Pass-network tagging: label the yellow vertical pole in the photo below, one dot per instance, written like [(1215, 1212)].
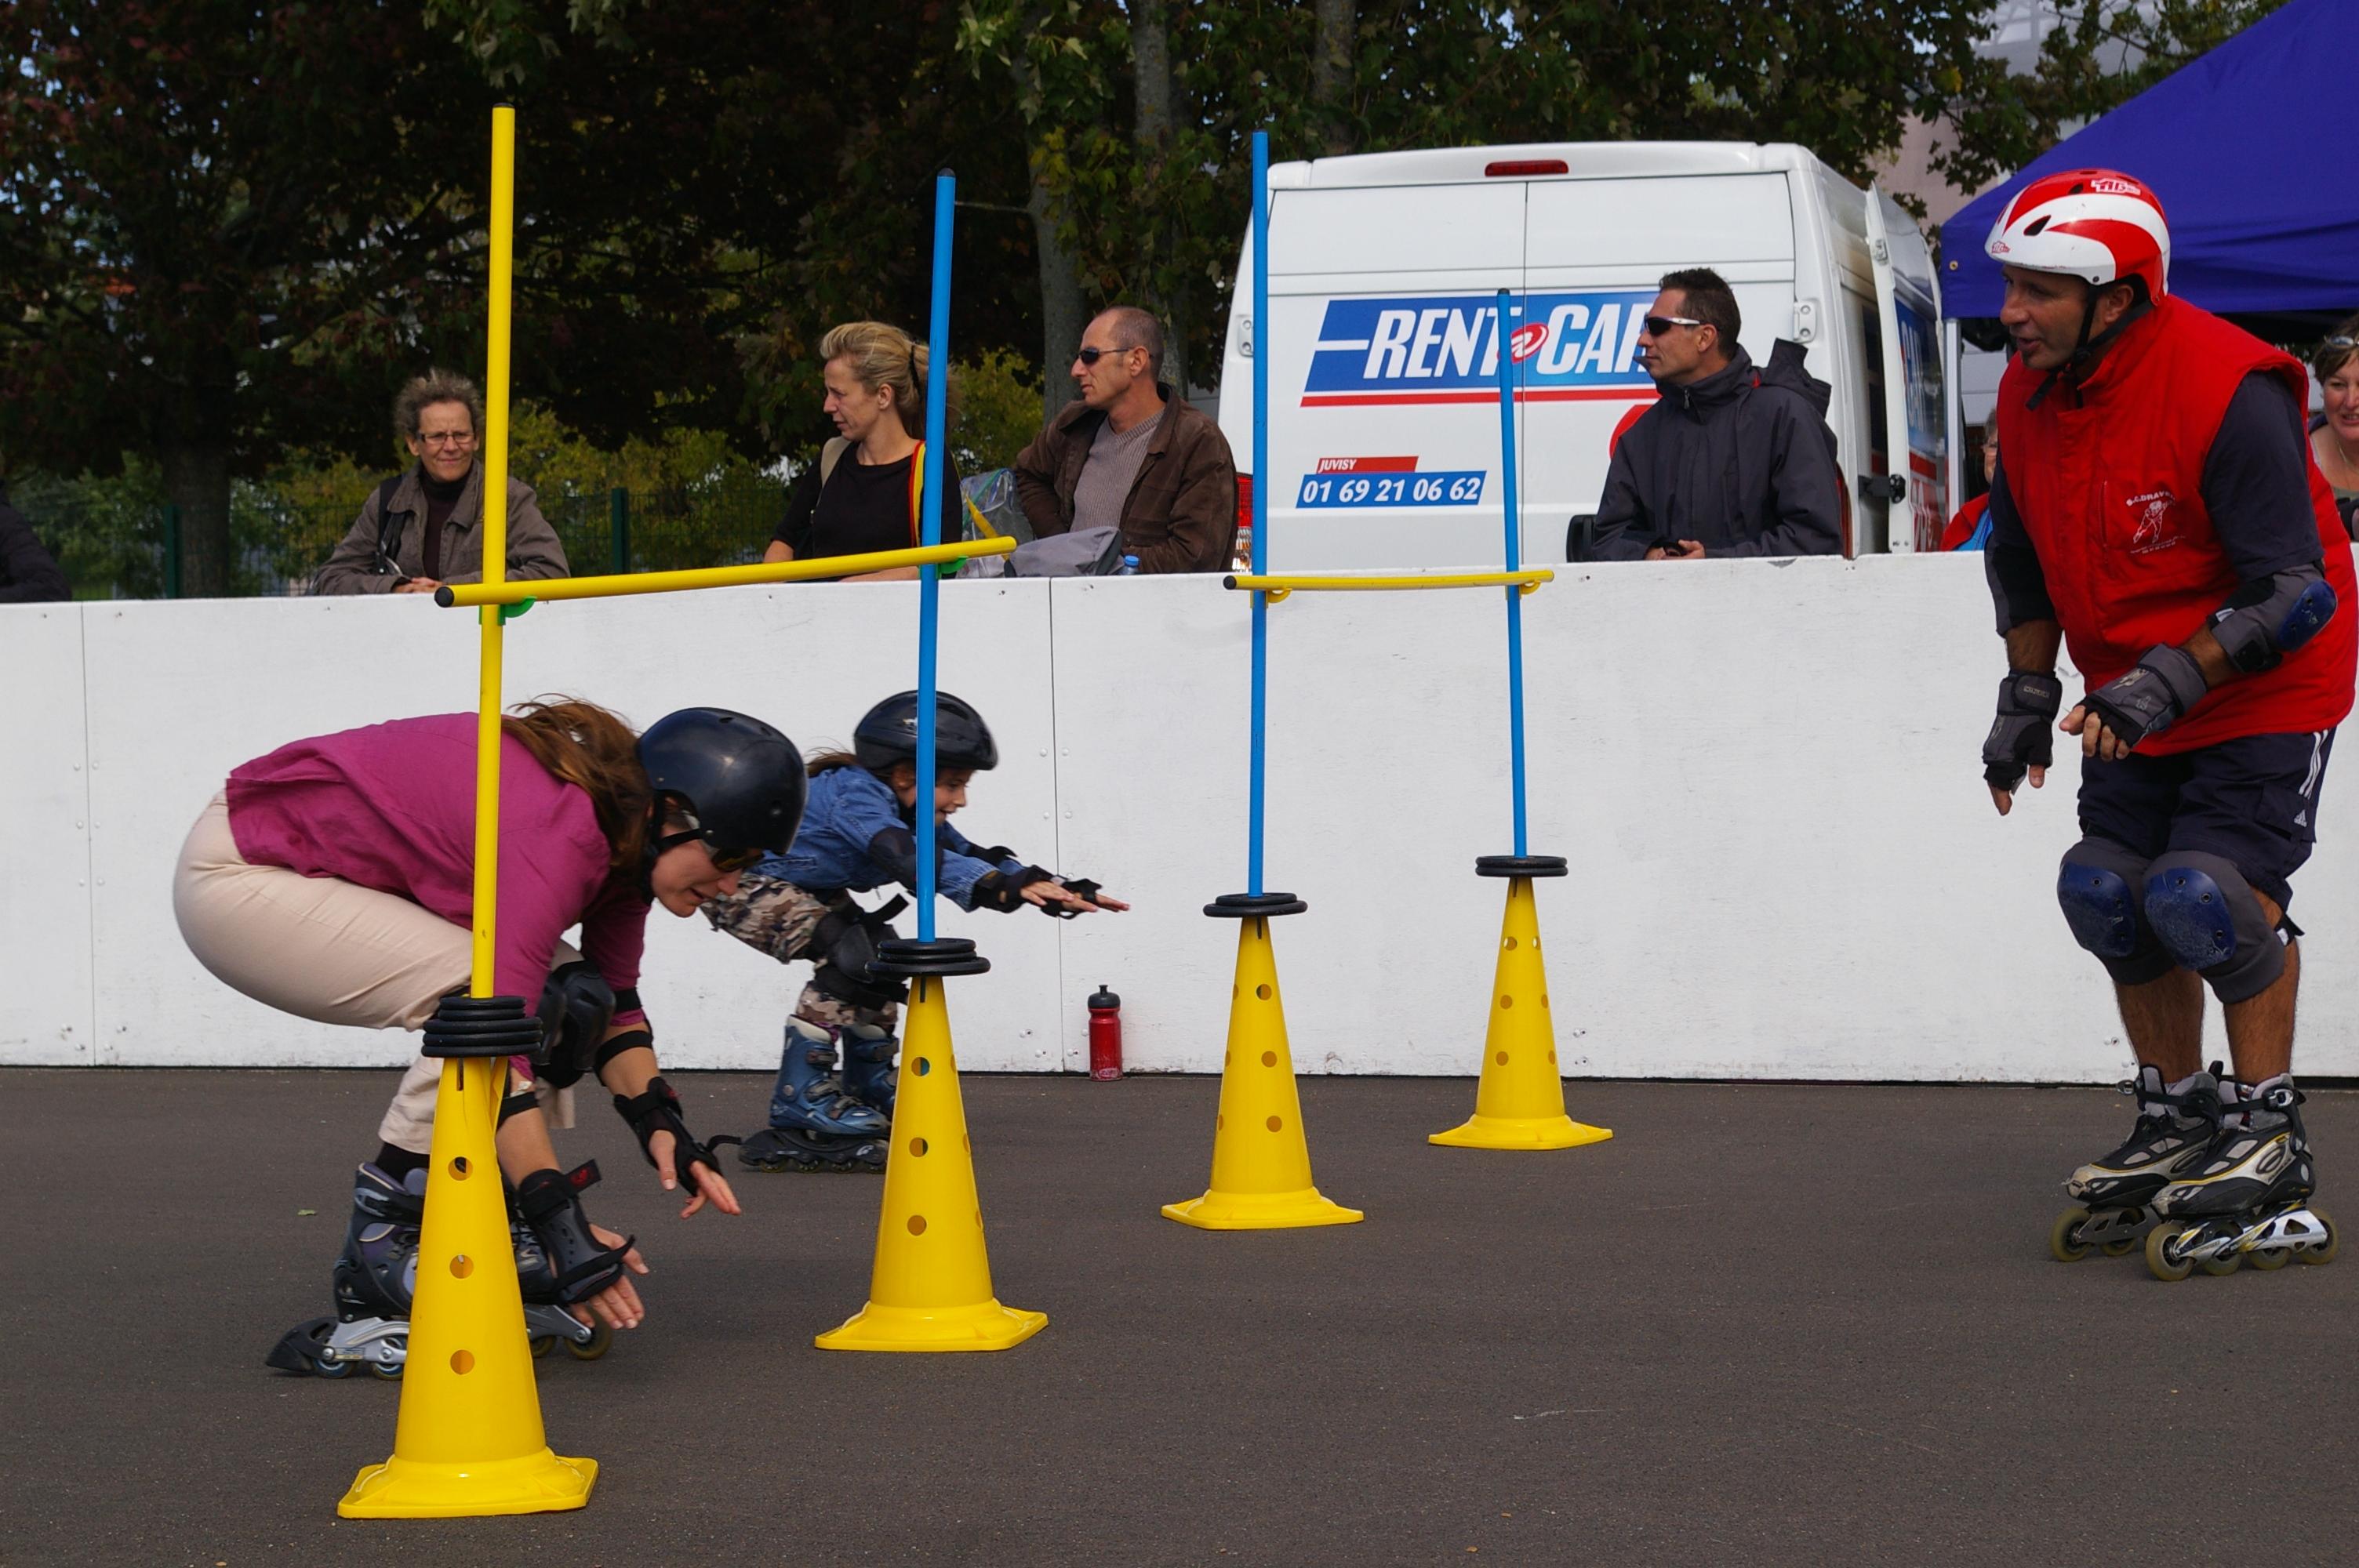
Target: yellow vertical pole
[(469, 1441)]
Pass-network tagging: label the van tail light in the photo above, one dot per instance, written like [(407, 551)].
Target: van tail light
[(1241, 554), (1520, 167)]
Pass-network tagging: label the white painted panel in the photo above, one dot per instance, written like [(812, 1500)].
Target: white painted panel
[(182, 692), (45, 988), (1765, 776), (1784, 862)]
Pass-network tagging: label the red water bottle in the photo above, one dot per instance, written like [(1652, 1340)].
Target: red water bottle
[(1105, 1036)]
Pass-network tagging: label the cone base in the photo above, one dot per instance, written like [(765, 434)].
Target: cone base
[(986, 1325), (409, 1489), (1261, 1211), (1521, 1132)]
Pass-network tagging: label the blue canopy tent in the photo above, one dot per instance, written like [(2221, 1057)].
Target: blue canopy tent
[(2240, 146)]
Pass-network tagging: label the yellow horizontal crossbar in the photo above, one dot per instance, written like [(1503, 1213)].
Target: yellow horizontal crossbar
[(543, 589), (1279, 586)]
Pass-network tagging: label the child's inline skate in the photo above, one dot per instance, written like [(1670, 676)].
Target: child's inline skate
[(814, 1124)]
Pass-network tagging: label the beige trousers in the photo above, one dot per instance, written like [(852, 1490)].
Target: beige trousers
[(333, 952)]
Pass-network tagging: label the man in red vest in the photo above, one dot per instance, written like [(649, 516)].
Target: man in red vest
[(2155, 510)]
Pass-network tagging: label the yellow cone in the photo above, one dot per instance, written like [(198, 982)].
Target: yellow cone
[(1520, 1102), (1261, 1161), (931, 1286), (469, 1441)]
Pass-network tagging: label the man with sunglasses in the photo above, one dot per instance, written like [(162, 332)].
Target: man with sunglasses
[(1733, 459), (418, 530), (1130, 454), (2155, 510)]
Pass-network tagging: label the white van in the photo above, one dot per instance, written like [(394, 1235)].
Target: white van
[(1385, 270)]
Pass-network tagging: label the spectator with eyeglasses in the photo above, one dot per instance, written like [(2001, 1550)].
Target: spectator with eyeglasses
[(2334, 430), (1129, 454), (421, 528), (1733, 458)]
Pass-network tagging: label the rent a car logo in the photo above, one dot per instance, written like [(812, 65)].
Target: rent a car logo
[(1430, 349), (1446, 350)]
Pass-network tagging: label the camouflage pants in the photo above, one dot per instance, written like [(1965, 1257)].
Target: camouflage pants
[(776, 917)]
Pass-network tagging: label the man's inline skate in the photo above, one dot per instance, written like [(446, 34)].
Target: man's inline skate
[(2117, 1191), (814, 1124), (2246, 1197), (376, 1276)]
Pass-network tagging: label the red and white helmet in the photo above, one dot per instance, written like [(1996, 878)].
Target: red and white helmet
[(2096, 224)]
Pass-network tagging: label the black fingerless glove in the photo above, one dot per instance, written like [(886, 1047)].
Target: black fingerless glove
[(2019, 738), (997, 889), (657, 1110), (2151, 695), (551, 1204)]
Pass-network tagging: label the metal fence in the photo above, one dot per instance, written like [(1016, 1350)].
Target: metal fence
[(113, 545)]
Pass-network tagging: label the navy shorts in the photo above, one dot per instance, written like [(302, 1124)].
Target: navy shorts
[(2252, 801)]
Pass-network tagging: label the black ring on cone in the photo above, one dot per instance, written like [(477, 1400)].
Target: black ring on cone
[(941, 956), (1250, 905), (1520, 866), (481, 1026)]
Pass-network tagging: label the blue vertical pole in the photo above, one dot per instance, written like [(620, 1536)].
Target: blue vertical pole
[(937, 380), (1514, 513), (1262, 337)]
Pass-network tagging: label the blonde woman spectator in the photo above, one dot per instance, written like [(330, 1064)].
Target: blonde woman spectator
[(862, 494)]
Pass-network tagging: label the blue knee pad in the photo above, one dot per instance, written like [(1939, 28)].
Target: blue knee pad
[(2207, 917), (2097, 886)]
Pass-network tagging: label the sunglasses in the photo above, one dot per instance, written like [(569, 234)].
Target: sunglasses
[(1092, 356), (1660, 326), (723, 861)]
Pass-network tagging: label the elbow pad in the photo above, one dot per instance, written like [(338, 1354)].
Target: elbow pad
[(895, 849), (2265, 620), (576, 1004)]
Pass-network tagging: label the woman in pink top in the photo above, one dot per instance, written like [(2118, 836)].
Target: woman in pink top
[(333, 879)]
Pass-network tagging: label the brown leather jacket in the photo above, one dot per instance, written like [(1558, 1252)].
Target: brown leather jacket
[(356, 567), (1182, 514)]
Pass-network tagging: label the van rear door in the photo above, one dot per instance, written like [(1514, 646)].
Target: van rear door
[(1593, 253), (1383, 438), (1909, 301)]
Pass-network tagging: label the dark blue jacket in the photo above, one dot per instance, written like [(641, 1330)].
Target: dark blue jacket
[(856, 836)]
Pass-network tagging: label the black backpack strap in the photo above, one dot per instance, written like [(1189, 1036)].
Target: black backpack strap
[(389, 525)]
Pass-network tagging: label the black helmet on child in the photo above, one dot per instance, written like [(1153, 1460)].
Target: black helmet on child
[(738, 782), (887, 734)]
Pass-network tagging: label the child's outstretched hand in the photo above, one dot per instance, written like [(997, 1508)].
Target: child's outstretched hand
[(1045, 893)]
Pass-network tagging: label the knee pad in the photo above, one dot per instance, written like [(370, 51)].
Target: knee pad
[(2208, 918), (2098, 887), (576, 1005)]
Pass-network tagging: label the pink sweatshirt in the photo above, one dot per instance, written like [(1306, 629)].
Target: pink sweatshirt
[(392, 807)]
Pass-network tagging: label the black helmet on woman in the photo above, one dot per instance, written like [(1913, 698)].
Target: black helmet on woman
[(887, 734), (736, 780)]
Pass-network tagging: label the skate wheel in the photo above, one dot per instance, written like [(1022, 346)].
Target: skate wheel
[(2122, 1249), (386, 1372), (2325, 1251), (2161, 1259), (2221, 1268), (542, 1344), (2064, 1243), (601, 1339), (332, 1369), (2269, 1259)]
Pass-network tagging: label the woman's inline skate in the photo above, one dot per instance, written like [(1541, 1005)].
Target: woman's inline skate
[(2117, 1192), (378, 1274), (2248, 1196)]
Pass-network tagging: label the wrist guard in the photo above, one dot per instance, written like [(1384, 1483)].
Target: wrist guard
[(2155, 694), (2019, 737), (657, 1110), (551, 1203), (997, 889), (1081, 885)]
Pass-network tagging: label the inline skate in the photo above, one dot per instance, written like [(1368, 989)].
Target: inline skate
[(814, 1124), (2117, 1191), (2246, 1197)]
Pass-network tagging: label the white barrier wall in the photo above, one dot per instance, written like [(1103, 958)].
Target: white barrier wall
[(1764, 775)]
